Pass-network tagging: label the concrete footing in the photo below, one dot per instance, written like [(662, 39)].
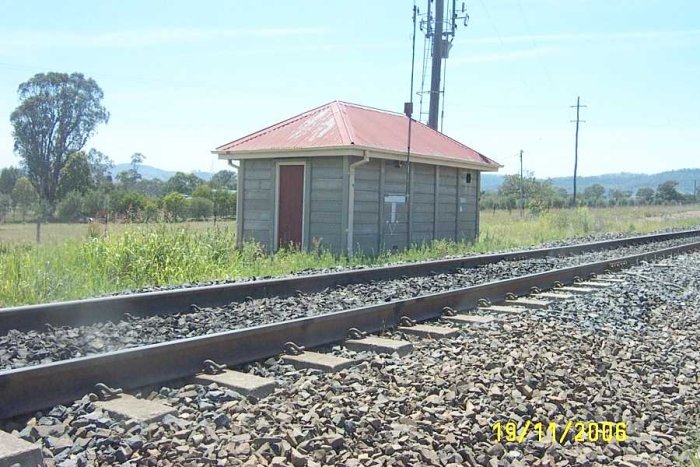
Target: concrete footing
[(575, 289), (613, 280), (594, 284), (502, 309), (426, 330), (131, 408), (379, 345), (243, 383), (16, 451), (318, 361), (469, 319), (528, 302), (555, 295)]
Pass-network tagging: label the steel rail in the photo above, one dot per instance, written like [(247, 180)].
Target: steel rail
[(24, 390), (89, 311)]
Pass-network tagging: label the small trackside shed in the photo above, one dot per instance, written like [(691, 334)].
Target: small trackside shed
[(335, 177)]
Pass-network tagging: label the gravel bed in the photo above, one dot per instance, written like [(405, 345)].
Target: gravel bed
[(628, 353), (19, 349)]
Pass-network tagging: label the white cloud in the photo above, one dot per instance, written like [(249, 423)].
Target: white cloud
[(506, 56), (574, 37), (142, 37)]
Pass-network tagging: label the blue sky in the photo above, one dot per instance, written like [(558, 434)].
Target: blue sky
[(182, 77)]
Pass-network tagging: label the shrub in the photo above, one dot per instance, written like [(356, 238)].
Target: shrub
[(201, 208), (175, 206), (70, 207), (94, 201), (151, 211), (128, 203)]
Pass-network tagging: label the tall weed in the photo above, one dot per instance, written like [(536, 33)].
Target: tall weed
[(164, 254)]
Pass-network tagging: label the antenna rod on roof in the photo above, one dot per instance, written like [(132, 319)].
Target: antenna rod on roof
[(408, 110)]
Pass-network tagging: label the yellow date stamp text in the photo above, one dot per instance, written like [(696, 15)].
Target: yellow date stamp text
[(576, 431)]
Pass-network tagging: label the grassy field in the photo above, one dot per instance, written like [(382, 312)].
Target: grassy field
[(78, 260), (507, 230), (58, 233)]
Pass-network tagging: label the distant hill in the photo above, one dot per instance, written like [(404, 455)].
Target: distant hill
[(620, 181), (150, 172)]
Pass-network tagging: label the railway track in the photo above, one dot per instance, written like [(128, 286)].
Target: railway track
[(46, 342), (168, 302), (28, 389)]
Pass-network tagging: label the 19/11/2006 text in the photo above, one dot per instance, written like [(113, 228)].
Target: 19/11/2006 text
[(582, 432)]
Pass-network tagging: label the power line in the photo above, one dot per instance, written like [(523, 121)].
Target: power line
[(523, 77), (535, 45), (444, 83)]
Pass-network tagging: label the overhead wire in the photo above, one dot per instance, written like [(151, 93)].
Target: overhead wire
[(444, 80), (535, 46), (502, 44), (426, 44)]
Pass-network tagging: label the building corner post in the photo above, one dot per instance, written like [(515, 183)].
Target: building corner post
[(240, 191)]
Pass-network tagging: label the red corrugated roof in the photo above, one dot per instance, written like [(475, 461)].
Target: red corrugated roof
[(341, 124)]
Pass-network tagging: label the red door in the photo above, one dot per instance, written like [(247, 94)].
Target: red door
[(291, 205)]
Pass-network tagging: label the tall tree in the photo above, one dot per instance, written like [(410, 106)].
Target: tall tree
[(619, 197), (129, 178), (183, 183), (56, 116), (8, 178), (537, 192), (594, 193), (100, 166), (224, 179), (667, 192), (5, 206), (645, 195)]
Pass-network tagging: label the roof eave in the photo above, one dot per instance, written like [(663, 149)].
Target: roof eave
[(354, 150)]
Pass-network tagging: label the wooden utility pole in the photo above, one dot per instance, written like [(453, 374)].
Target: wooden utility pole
[(436, 66), (522, 196), (578, 120)]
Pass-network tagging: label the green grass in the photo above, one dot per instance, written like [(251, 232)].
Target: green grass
[(59, 232), (78, 261), (508, 230), (693, 451)]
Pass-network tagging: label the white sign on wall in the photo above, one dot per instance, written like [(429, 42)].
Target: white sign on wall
[(394, 200)]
